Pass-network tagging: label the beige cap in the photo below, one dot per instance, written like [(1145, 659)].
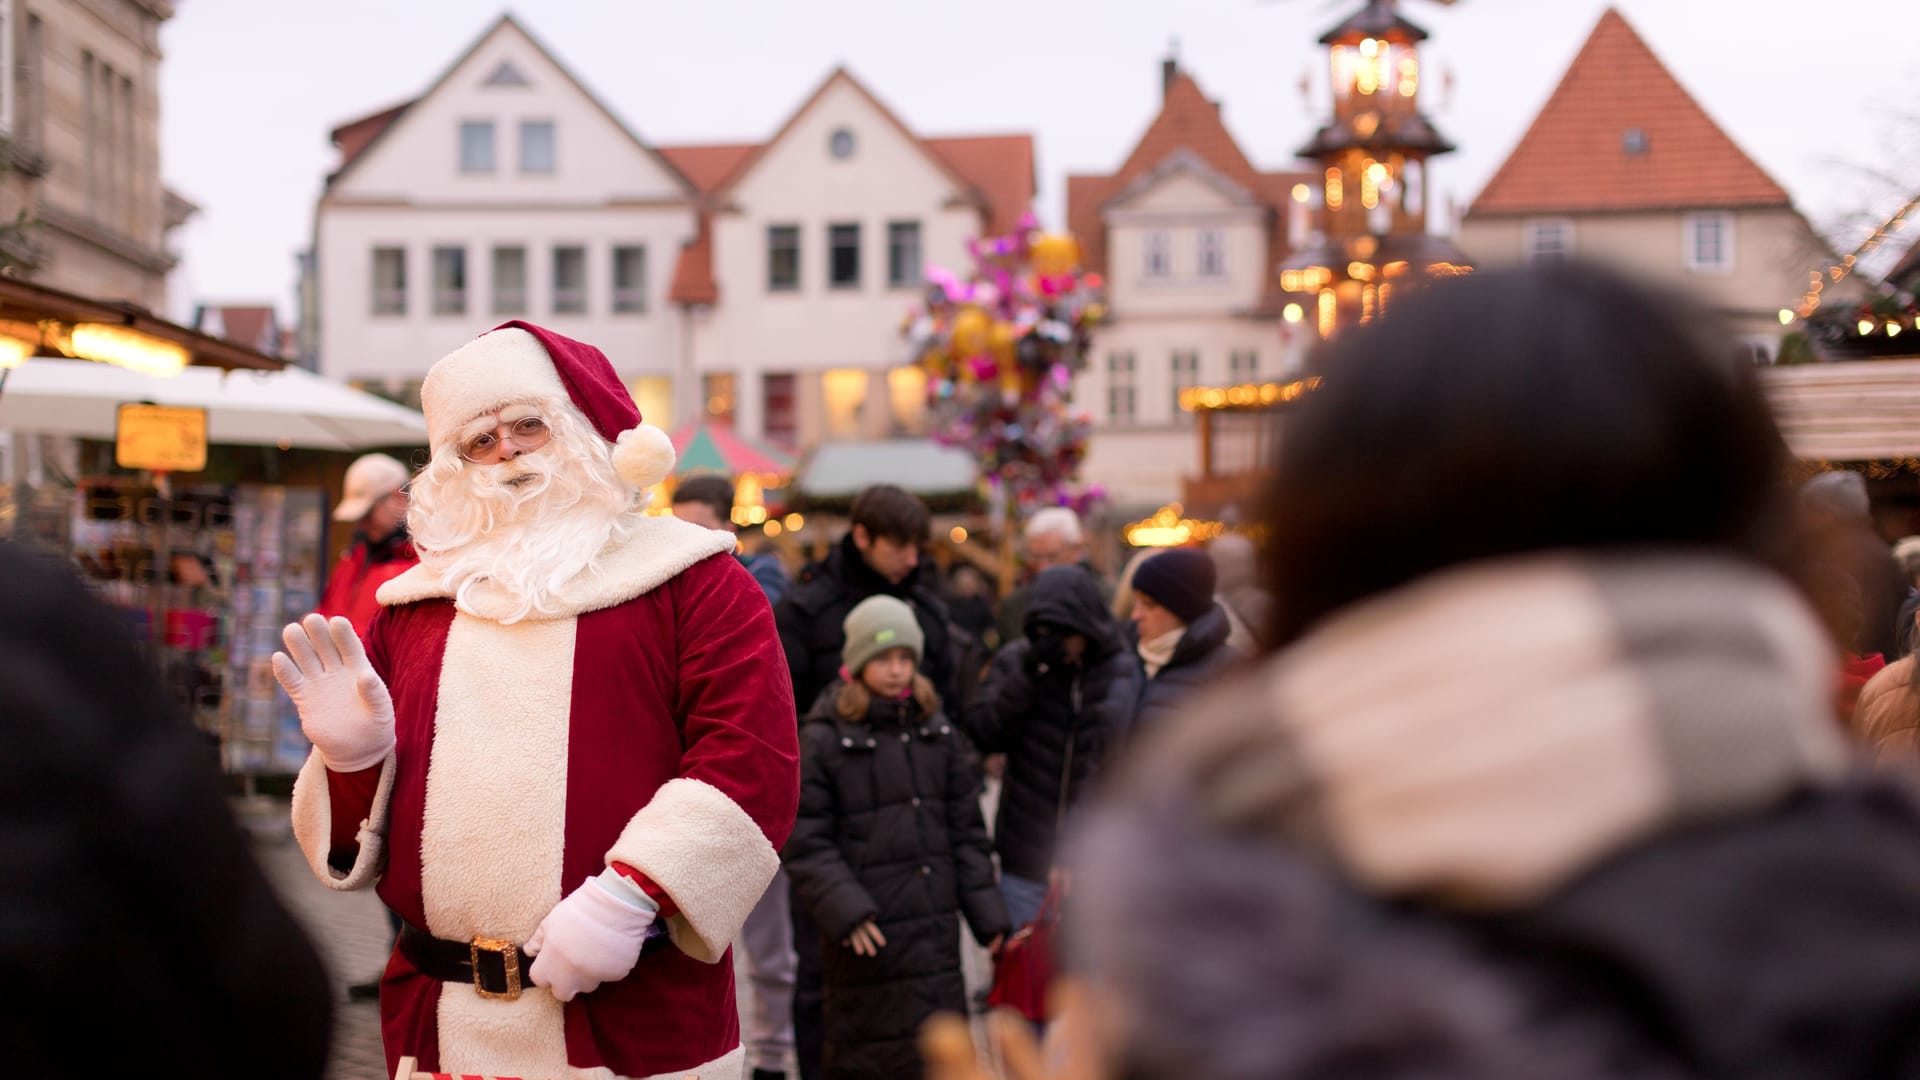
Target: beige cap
[(370, 479)]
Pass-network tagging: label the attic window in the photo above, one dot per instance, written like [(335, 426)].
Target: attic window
[(1635, 142), (840, 144), (506, 75)]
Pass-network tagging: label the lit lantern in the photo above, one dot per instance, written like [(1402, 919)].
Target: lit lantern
[(1372, 159)]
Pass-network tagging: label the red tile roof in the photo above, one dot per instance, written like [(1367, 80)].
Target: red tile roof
[(1187, 121), (1574, 157), (251, 326), (707, 166), (996, 169), (355, 135), (1000, 167), (693, 282)]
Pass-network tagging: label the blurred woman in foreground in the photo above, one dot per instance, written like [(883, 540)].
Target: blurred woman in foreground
[(1542, 778)]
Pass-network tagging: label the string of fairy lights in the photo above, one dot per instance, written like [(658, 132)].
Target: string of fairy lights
[(1817, 281)]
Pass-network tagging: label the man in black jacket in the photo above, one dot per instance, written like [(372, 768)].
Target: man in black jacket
[(131, 903), (879, 555), (1056, 702)]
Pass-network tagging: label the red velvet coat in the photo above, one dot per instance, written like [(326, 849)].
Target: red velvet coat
[(654, 729)]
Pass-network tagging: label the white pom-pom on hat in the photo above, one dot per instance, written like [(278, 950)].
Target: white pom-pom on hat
[(643, 456)]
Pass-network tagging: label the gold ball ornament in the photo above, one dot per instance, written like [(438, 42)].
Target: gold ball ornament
[(1054, 254)]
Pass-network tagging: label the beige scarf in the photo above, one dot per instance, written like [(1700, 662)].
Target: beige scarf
[(1155, 654), (1486, 733)]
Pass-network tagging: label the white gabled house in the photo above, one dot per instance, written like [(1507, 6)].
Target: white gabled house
[(506, 190), (811, 249)]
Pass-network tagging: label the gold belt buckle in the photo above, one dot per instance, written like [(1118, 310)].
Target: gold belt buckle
[(509, 961)]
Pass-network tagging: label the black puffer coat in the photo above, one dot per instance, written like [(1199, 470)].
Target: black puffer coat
[(131, 903), (1055, 721), (810, 615), (1202, 656), (889, 828)]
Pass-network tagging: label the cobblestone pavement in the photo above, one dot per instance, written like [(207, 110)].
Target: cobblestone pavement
[(351, 931)]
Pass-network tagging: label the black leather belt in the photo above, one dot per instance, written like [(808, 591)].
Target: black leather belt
[(495, 968)]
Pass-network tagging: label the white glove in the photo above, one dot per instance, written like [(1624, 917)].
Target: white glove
[(344, 708), (591, 937)]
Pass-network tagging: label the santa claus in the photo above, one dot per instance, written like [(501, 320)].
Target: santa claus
[(566, 753)]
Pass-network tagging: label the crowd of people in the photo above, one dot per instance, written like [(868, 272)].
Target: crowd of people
[(1548, 732)]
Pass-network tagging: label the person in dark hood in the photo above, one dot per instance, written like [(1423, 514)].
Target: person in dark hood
[(1055, 702), (1182, 630)]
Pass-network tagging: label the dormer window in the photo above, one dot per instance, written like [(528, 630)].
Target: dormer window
[(1635, 142)]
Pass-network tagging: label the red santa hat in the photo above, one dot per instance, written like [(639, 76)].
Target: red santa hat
[(518, 361)]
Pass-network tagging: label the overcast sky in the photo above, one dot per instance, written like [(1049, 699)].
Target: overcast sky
[(1815, 91)]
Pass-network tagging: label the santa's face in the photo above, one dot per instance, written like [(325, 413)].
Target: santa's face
[(523, 497)]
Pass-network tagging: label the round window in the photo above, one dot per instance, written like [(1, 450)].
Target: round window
[(841, 143)]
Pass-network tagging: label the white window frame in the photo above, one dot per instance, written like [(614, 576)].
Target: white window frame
[(1210, 253), (449, 261), (473, 166), (1537, 229), (509, 299), (570, 299), (1121, 371), (1156, 255), (1183, 370), (630, 297), (1690, 240), (389, 300), (1243, 366), (552, 163)]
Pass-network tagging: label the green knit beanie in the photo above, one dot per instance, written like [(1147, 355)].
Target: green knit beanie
[(875, 625)]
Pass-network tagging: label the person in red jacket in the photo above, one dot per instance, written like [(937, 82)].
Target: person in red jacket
[(375, 498)]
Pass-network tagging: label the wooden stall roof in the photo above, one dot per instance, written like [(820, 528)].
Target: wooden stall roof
[(1864, 411), (30, 302)]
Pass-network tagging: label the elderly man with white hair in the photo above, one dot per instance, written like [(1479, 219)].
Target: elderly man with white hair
[(1052, 537)]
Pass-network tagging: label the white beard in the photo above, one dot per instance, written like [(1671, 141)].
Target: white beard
[(527, 527)]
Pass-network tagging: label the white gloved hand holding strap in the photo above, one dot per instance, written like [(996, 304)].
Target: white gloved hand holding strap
[(591, 937), (345, 710)]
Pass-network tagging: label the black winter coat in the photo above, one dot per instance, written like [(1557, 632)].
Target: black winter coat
[(1054, 721), (131, 903), (1202, 656), (811, 613), (889, 828)]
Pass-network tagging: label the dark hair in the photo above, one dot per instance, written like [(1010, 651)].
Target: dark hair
[(708, 488), (1515, 411), (885, 510)]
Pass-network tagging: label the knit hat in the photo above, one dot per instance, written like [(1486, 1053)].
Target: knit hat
[(1178, 579), (516, 361), (370, 478), (875, 625)]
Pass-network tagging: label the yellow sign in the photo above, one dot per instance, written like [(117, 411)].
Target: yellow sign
[(164, 438)]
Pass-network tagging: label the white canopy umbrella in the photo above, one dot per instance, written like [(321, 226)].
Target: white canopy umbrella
[(287, 408)]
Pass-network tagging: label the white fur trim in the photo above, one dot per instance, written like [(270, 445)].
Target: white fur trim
[(482, 375), (708, 855), (658, 549), (482, 1037), (643, 456), (494, 826), (312, 815)]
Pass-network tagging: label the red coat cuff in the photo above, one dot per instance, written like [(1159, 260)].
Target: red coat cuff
[(351, 795), (654, 892)]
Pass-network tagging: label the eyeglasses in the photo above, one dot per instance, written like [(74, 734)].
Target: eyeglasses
[(529, 433)]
